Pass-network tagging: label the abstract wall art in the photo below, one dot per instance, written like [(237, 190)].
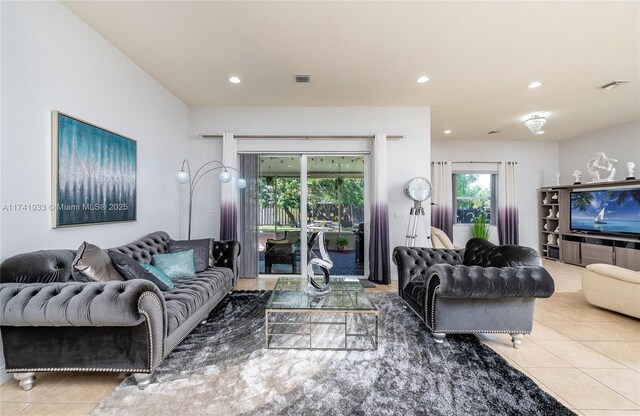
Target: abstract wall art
[(94, 174)]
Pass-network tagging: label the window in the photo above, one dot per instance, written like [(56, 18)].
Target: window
[(474, 194)]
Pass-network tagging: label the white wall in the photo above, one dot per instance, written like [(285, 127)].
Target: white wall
[(51, 60), (620, 142), (408, 158), (537, 166)]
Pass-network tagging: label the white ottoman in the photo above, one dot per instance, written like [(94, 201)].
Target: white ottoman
[(612, 287)]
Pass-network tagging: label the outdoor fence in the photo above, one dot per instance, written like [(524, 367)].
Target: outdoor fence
[(321, 212)]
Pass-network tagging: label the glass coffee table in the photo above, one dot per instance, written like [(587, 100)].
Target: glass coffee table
[(343, 319)]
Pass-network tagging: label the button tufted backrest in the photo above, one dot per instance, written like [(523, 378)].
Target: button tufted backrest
[(48, 266), (43, 266), (413, 262), (144, 249), (225, 254)]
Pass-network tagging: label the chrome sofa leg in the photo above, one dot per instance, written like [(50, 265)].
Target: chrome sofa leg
[(26, 380), (438, 337), (516, 339), (143, 380)]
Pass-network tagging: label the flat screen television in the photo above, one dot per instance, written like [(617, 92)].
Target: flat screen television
[(606, 211)]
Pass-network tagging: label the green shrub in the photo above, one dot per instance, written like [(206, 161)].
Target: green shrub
[(481, 226)]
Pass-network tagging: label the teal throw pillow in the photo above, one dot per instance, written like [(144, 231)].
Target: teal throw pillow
[(176, 265), (157, 276)]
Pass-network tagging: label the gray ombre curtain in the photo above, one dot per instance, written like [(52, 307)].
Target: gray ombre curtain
[(507, 203), (229, 191), (379, 264), (248, 221), (442, 197)]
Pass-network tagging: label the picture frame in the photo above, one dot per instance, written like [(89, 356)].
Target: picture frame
[(94, 174)]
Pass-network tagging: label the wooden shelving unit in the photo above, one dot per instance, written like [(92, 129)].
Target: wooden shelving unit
[(549, 217), (558, 242)]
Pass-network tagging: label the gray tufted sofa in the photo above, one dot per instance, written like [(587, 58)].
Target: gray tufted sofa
[(495, 294), (51, 323)]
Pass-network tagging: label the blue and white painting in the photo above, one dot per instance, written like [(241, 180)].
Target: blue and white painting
[(607, 211), (96, 174)]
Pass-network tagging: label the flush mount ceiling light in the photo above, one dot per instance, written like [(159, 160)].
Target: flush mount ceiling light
[(534, 123), (447, 132), (422, 79), (613, 84), (234, 80), (534, 84)]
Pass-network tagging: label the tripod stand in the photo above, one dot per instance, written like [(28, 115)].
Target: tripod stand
[(416, 212)]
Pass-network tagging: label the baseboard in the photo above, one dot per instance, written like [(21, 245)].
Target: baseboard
[(4, 377)]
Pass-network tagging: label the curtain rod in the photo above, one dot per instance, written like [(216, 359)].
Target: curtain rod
[(305, 137), (474, 161)]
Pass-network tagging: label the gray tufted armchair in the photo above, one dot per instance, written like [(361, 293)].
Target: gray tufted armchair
[(483, 288), (51, 323)]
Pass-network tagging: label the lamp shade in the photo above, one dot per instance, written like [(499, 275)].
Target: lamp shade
[(182, 177), (224, 176), (241, 183)]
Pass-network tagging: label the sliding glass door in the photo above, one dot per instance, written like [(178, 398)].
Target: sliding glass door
[(301, 195), (279, 219), (335, 200)]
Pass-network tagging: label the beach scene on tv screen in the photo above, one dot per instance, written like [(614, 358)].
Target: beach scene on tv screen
[(606, 211)]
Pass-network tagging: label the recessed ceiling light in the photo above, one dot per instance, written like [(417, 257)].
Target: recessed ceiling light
[(423, 79), (447, 132), (534, 84), (234, 80), (540, 132)]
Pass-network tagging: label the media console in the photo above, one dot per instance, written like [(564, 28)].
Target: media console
[(558, 242)]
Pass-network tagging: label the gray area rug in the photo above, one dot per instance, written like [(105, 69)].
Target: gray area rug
[(222, 368)]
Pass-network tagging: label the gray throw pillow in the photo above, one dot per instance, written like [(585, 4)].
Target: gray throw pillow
[(93, 264), (480, 252), (130, 269), (202, 251)]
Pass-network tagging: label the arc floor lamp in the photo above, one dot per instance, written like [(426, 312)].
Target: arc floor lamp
[(184, 177)]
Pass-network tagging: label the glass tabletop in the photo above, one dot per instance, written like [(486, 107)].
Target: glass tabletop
[(345, 294)]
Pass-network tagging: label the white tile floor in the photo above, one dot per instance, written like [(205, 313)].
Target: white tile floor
[(586, 357)]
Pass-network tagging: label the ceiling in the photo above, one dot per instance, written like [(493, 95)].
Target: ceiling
[(480, 57)]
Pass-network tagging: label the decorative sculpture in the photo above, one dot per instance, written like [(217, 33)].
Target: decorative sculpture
[(601, 163), (550, 213), (324, 263), (550, 239), (576, 174), (630, 167)]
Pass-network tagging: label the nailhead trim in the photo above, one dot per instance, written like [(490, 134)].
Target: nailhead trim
[(57, 369), (150, 330)]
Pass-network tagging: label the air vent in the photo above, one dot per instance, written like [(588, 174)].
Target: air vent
[(613, 84), (494, 132), (302, 79)]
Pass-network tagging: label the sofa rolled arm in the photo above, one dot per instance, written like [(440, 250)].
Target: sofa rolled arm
[(115, 303), (489, 282), (225, 254), (414, 262)]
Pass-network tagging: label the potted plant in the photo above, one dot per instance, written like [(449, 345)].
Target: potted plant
[(341, 243), (481, 226)]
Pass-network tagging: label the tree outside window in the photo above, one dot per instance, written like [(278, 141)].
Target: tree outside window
[(474, 196)]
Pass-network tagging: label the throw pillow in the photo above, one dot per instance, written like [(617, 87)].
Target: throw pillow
[(93, 264), (157, 276), (128, 268), (176, 265), (480, 252), (202, 251)]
